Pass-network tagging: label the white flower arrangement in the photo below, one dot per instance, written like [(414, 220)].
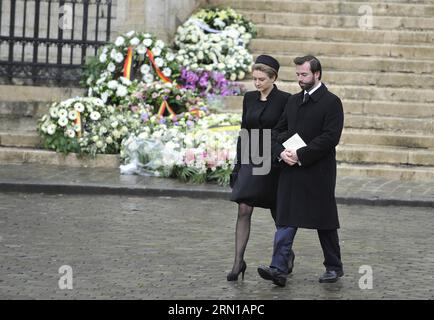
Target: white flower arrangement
[(65, 121), (105, 72), (222, 49), (194, 152)]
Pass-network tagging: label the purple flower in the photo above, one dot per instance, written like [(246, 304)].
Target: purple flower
[(189, 123), (144, 116), (203, 81), (162, 120)]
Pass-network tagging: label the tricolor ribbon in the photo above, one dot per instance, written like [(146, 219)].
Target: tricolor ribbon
[(128, 63), (156, 68), (163, 107), (78, 123)]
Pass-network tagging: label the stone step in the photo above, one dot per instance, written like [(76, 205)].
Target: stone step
[(272, 31), (415, 125), (386, 138), (350, 153), (10, 155), (378, 79), (18, 124), (332, 7), (32, 101), (273, 46), (405, 173), (372, 107), (20, 139), (12, 93), (363, 64), (363, 93), (307, 19)]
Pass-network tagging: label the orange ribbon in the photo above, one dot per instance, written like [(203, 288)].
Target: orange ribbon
[(128, 63), (163, 107), (156, 68)]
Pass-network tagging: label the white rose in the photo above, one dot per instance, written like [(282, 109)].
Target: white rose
[(125, 81), (112, 84), (53, 112), (111, 67), (103, 58), (119, 57), (51, 128), (148, 78), (129, 34), (147, 42), (134, 41), (241, 75), (102, 130), (62, 122), (119, 41), (95, 115), (156, 51), (141, 50), (114, 124), (170, 56), (121, 91), (109, 140), (70, 133), (72, 115), (62, 113), (233, 77), (105, 95), (159, 44), (145, 69), (159, 62), (99, 144), (167, 72), (79, 107)]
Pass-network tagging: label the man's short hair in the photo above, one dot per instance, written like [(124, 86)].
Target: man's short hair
[(314, 63)]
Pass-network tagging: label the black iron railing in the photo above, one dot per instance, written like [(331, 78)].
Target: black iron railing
[(47, 41)]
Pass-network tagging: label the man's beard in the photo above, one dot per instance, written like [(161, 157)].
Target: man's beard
[(307, 85)]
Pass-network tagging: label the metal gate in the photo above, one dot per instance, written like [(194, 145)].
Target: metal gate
[(46, 41)]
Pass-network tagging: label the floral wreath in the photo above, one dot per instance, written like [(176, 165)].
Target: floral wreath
[(132, 58)]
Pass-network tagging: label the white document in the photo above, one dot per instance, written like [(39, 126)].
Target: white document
[(294, 143)]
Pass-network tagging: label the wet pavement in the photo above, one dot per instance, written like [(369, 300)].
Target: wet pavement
[(134, 247)]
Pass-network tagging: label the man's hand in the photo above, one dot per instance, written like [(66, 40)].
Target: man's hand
[(289, 156)]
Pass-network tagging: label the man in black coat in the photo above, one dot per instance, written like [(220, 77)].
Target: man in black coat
[(306, 190)]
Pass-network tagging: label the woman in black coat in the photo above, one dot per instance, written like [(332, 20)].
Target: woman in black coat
[(261, 110)]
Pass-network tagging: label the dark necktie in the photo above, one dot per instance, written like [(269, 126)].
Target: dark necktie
[(306, 97)]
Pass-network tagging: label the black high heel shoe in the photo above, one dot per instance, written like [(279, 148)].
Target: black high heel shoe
[(233, 276)]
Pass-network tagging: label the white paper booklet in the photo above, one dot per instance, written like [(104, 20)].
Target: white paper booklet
[(294, 143)]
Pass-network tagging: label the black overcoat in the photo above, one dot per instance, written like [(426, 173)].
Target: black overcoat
[(258, 190), (306, 193)]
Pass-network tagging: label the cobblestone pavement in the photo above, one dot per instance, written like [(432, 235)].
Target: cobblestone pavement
[(123, 247)]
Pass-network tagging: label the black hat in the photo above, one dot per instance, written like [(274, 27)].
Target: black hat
[(269, 61)]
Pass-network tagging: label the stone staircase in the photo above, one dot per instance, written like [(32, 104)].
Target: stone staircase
[(20, 108), (384, 75)]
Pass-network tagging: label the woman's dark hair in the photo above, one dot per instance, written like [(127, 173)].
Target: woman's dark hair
[(314, 63)]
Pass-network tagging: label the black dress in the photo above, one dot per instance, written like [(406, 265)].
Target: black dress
[(257, 190)]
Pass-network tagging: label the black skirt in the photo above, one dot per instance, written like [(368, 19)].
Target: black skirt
[(256, 190)]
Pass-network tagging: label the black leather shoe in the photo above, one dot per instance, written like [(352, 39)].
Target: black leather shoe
[(267, 273), (331, 276), (291, 261)]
